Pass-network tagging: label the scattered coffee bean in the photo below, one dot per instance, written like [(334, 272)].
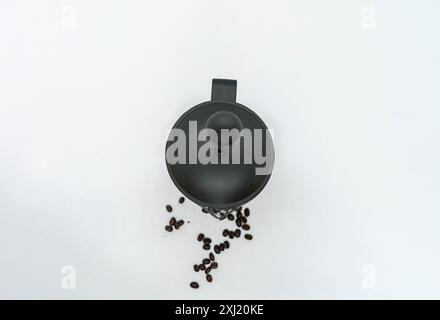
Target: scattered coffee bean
[(169, 208), (243, 220), (217, 249), (246, 227), (207, 240), (247, 212), (168, 228), (208, 270), (239, 215), (230, 217), (226, 244), (181, 199), (196, 268), (206, 246), (248, 236), (172, 221), (222, 247), (176, 226), (238, 223), (239, 209), (237, 233), (202, 267), (206, 261), (194, 285), (231, 234), (225, 232), (214, 265), (180, 223), (200, 237), (208, 278), (211, 256)]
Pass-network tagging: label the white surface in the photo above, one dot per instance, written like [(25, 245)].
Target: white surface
[(89, 90)]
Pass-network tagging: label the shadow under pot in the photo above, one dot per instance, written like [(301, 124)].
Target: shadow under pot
[(219, 153)]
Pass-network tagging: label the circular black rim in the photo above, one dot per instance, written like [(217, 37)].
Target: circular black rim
[(207, 204)]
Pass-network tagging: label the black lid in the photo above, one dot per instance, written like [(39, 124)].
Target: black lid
[(220, 186)]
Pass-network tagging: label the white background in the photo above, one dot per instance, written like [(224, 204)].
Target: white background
[(89, 90)]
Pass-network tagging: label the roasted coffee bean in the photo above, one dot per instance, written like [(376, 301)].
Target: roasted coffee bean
[(230, 217), (211, 256), (196, 268), (180, 223), (176, 226), (247, 212), (207, 240), (248, 236), (217, 249), (243, 220), (208, 270), (200, 237), (168, 228), (226, 244), (225, 232), (239, 215), (222, 247), (206, 246), (246, 227), (194, 285), (172, 221), (237, 233), (231, 234), (206, 261), (169, 208), (202, 267), (208, 278), (239, 209), (214, 265), (181, 200), (238, 223), (204, 210)]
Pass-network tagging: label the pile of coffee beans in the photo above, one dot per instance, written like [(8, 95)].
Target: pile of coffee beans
[(209, 263)]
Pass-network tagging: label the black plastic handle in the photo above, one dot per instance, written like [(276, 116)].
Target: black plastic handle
[(224, 90)]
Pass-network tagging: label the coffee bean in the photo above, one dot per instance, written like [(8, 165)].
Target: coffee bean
[(180, 223), (246, 227), (208, 270), (237, 233), (206, 261), (196, 268), (225, 232), (231, 234), (208, 278), (226, 244), (169, 208), (243, 220), (176, 226), (202, 267), (214, 265), (168, 228), (217, 249), (211, 256), (172, 221), (181, 199), (194, 285), (206, 246), (222, 247), (207, 240), (239, 215), (247, 212), (248, 236), (200, 237), (239, 209), (230, 217), (238, 222)]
